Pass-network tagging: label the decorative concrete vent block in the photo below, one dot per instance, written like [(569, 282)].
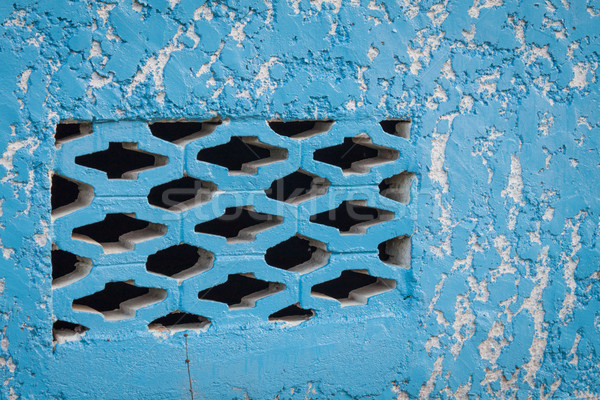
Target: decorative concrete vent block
[(183, 226)]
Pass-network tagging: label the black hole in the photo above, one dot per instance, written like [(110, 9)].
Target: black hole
[(397, 127), (300, 129), (177, 132), (345, 154), (341, 287), (291, 312), (346, 216), (234, 154), (179, 318), (63, 263), (291, 128), (63, 192), (67, 131), (63, 327), (176, 192), (290, 187), (233, 221), (117, 160), (173, 260), (111, 297), (231, 292), (111, 228), (290, 253)]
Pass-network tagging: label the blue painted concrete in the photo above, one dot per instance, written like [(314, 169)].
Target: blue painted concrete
[(502, 297)]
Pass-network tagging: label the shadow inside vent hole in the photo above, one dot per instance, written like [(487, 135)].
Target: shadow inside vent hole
[(66, 131), (62, 331), (240, 291), (397, 187), (67, 195), (242, 154), (180, 261), (181, 194), (298, 254), (111, 228), (300, 129), (396, 251), (345, 154), (352, 217), (68, 267), (293, 313), (239, 224), (121, 160), (179, 321), (118, 232), (119, 300), (297, 187), (290, 253), (63, 191), (397, 127), (181, 132), (353, 287)]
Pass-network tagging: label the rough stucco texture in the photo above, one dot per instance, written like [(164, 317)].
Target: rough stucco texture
[(504, 285)]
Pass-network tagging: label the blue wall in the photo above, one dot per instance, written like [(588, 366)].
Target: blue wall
[(502, 298)]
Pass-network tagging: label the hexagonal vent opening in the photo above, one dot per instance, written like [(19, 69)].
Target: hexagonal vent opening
[(68, 195), (121, 160), (241, 291), (298, 254), (239, 224), (292, 315), (180, 262), (68, 267), (300, 129), (353, 287), (119, 300), (182, 194), (63, 331), (118, 232), (356, 155), (397, 127), (183, 132), (66, 131), (397, 187), (179, 321), (396, 251), (242, 155), (352, 217), (297, 187)]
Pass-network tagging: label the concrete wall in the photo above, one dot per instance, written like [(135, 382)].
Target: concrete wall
[(501, 299)]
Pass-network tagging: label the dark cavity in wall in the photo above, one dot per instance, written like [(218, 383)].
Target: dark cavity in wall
[(111, 297), (397, 127), (182, 132), (300, 129), (349, 216), (121, 160), (238, 222), (345, 154), (111, 228), (292, 313), (341, 287)]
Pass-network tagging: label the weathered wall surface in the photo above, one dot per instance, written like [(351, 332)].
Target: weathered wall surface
[(504, 288)]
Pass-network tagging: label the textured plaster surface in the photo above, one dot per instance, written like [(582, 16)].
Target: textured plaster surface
[(504, 292)]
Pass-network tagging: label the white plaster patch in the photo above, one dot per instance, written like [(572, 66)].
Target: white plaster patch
[(570, 262), (427, 388), (24, 80), (477, 7), (263, 76)]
